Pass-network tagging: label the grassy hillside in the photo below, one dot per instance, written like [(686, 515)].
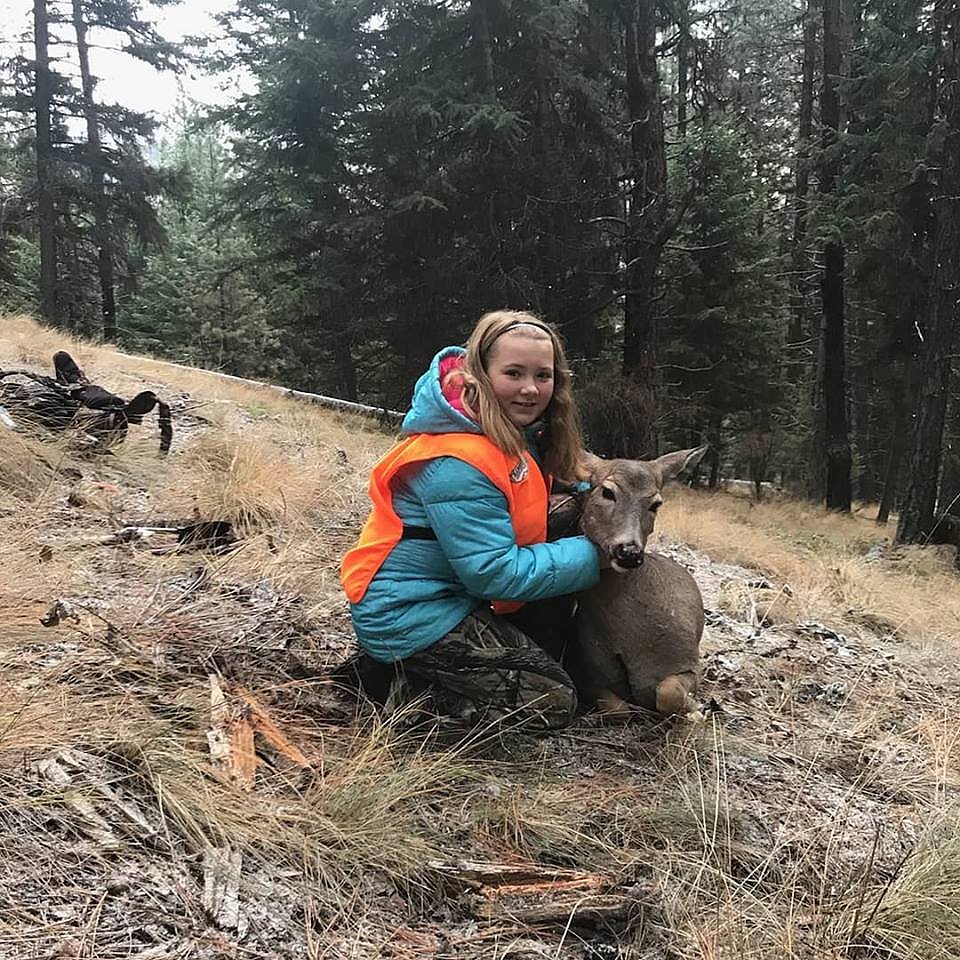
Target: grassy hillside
[(178, 779)]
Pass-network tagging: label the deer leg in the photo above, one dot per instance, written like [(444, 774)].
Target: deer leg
[(675, 693)]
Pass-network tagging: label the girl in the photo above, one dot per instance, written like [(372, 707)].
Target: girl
[(456, 536)]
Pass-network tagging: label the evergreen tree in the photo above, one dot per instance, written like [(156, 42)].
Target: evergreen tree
[(473, 194), (724, 306), (647, 227), (199, 301), (94, 194), (832, 379), (918, 515)]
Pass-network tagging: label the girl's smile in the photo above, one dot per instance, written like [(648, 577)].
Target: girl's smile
[(520, 369)]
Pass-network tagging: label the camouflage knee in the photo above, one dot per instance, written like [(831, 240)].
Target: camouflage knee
[(487, 668)]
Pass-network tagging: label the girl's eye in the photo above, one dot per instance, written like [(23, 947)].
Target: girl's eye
[(607, 493), (546, 375)]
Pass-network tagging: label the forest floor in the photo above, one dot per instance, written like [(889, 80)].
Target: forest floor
[(178, 779)]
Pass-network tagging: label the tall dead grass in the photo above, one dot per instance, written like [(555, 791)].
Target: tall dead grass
[(26, 466), (822, 558), (917, 913), (248, 481)]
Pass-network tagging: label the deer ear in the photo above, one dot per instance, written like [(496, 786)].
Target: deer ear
[(671, 465), (590, 466)]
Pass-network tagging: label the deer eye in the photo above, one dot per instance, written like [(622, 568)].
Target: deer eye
[(654, 507), (607, 493)]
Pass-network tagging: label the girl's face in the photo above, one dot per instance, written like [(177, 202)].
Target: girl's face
[(521, 371)]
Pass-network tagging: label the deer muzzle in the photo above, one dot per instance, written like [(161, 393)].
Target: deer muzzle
[(627, 556)]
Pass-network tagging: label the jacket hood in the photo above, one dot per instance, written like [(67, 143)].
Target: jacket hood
[(430, 411)]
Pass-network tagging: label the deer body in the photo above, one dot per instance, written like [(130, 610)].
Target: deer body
[(637, 633), (637, 638)]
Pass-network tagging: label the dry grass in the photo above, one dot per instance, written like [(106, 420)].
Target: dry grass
[(784, 828), (821, 558), (26, 466), (917, 914)]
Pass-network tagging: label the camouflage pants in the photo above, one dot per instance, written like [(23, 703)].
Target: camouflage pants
[(488, 669)]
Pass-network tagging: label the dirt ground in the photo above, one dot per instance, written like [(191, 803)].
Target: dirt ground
[(178, 777)]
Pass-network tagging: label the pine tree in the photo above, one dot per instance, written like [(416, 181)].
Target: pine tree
[(45, 175), (647, 225), (94, 193), (200, 300), (724, 306), (833, 380), (919, 508)]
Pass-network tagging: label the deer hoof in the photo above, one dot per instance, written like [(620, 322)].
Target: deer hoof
[(673, 696)]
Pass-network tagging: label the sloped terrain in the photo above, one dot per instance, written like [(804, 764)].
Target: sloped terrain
[(178, 777)]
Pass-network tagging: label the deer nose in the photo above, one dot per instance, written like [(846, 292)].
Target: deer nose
[(628, 555)]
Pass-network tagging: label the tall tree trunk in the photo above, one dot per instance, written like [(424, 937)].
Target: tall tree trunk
[(46, 215), (683, 65), (899, 412), (949, 494), (816, 454), (892, 475), (101, 213), (862, 419), (918, 510), (798, 333), (482, 45), (832, 283), (645, 220)]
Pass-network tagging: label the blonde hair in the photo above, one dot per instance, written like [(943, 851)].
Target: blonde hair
[(564, 449)]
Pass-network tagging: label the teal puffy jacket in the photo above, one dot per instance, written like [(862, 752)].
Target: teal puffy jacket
[(426, 587)]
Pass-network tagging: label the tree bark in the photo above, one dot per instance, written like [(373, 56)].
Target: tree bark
[(102, 227), (646, 219), (798, 333), (918, 511), (46, 215), (482, 45), (836, 431), (683, 64), (898, 443)]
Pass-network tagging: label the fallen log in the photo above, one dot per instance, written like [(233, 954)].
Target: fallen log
[(382, 414)]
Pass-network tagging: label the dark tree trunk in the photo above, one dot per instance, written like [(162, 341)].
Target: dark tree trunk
[(836, 432), (101, 213), (899, 411), (834, 381), (817, 452), (918, 510), (892, 475), (46, 215), (646, 220), (346, 368), (949, 494), (799, 334), (919, 507), (482, 45), (683, 66), (714, 451)]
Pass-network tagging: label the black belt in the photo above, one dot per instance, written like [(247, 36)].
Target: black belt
[(417, 533)]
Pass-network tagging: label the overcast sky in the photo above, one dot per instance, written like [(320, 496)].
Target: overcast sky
[(127, 81)]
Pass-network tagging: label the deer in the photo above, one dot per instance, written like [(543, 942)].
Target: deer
[(636, 634)]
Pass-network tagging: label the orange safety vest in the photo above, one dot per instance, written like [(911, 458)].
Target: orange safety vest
[(521, 482)]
